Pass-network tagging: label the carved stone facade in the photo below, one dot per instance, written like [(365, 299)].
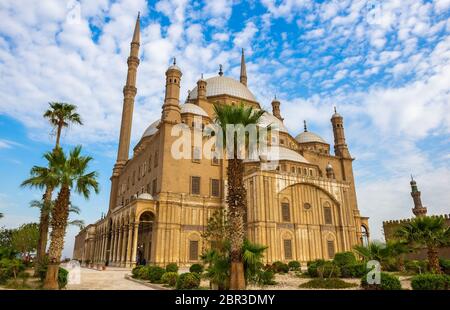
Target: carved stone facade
[(301, 199)]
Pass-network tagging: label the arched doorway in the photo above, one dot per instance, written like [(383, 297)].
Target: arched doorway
[(364, 236), (145, 233)]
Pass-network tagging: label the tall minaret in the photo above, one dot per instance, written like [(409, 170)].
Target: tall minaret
[(340, 147), (171, 112), (129, 93), (243, 77), (276, 108), (418, 209)]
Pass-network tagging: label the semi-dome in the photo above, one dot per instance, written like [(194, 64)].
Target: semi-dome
[(276, 153), (307, 136), (152, 129), (222, 85), (193, 109), (268, 119)]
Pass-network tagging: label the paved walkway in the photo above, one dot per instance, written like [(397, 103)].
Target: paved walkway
[(109, 279)]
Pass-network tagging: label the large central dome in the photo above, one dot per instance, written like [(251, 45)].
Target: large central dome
[(222, 85)]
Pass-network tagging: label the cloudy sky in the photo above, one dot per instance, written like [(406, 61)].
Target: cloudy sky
[(384, 64)]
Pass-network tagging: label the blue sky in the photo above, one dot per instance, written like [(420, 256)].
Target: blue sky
[(384, 64)]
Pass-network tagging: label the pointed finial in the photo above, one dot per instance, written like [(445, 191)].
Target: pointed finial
[(202, 76), (242, 51), (412, 178), (275, 97), (139, 14), (220, 70), (174, 61), (304, 126), (335, 111), (189, 94)]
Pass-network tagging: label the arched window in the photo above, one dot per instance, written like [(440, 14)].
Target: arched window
[(364, 235), (287, 245), (330, 247), (328, 215), (193, 250), (285, 212)]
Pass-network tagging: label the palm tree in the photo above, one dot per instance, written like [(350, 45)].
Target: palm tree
[(226, 115), (396, 250), (372, 251), (60, 115), (43, 177), (430, 232), (72, 209), (71, 173)]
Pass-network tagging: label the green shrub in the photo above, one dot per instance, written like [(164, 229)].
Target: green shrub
[(136, 271), (344, 259), (188, 280), (266, 277), (172, 267), (62, 277), (170, 278), (388, 282), (154, 273), (445, 265), (429, 281), (142, 272), (356, 270), (10, 268), (332, 283), (416, 266), (280, 267), (197, 268), (294, 265), (323, 269)]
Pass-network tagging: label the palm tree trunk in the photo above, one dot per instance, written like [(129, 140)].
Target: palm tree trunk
[(60, 214), (58, 135), (237, 203), (433, 260), (44, 221)]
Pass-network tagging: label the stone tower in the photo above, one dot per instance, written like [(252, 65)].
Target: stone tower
[(201, 88), (418, 209), (243, 76), (171, 112), (340, 147), (129, 93), (276, 108)]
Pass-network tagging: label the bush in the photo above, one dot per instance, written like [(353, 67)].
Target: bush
[(445, 265), (196, 268), (388, 282), (323, 269), (344, 259), (294, 265), (280, 267), (416, 266), (356, 270), (172, 267), (187, 281), (170, 278), (154, 273), (332, 283), (429, 281), (266, 277), (10, 268), (136, 271), (62, 277)]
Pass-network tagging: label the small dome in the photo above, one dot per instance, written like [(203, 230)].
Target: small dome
[(193, 109), (222, 85), (307, 136), (174, 67), (145, 196), (275, 153), (152, 129), (268, 119)]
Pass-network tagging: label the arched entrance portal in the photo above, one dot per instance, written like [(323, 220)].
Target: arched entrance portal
[(145, 233)]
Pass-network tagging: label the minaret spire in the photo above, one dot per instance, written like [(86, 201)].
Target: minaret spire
[(305, 129), (243, 77), (129, 93), (419, 209), (276, 108)]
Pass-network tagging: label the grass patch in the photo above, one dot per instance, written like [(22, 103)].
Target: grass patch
[(333, 283)]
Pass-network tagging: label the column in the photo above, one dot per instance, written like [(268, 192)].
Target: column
[(119, 241), (129, 245), (113, 246), (105, 244), (124, 245), (134, 246)]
